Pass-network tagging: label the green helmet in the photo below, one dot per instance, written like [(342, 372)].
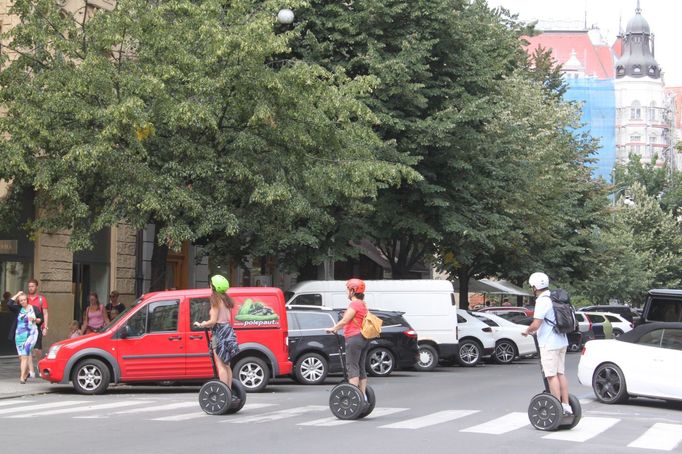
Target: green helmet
[(220, 283)]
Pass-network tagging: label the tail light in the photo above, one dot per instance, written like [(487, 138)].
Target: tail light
[(410, 333), (487, 329), (582, 352)]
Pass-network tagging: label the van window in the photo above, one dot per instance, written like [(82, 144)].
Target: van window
[(163, 316), (199, 309), (308, 299), (137, 324)]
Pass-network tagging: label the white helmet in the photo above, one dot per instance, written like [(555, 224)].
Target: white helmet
[(538, 280)]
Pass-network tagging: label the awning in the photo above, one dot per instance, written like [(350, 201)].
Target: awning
[(503, 287), (476, 286)]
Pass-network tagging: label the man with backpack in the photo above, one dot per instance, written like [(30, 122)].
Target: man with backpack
[(552, 341)]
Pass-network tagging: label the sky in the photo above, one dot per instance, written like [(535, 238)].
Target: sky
[(664, 18)]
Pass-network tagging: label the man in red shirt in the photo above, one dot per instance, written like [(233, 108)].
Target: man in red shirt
[(39, 301)]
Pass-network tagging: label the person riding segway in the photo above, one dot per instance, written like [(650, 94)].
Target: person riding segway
[(554, 408), (354, 399), (222, 394)]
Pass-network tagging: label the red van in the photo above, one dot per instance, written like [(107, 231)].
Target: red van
[(155, 341)]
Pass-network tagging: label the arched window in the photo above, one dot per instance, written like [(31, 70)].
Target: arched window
[(636, 111)]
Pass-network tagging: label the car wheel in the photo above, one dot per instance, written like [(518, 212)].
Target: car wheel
[(90, 376), (380, 362), (505, 352), (469, 353), (427, 358), (608, 383), (311, 369), (617, 332), (253, 373)]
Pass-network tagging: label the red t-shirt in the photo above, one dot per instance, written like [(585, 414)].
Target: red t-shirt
[(38, 301), (354, 327)]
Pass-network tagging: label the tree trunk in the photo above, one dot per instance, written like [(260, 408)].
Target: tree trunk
[(159, 258), (463, 277)]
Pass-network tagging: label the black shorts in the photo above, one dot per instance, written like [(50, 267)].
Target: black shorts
[(356, 356), (39, 342)]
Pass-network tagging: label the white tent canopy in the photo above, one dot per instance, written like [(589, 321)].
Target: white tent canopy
[(503, 287), (476, 286)]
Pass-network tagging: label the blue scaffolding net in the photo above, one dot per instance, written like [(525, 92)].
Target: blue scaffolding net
[(598, 100)]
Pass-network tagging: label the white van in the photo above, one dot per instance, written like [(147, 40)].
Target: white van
[(428, 305)]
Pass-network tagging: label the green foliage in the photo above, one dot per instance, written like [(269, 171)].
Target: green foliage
[(189, 115)]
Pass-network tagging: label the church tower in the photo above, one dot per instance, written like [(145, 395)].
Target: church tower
[(641, 113)]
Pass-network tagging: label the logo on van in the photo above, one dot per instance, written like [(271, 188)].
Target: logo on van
[(256, 313)]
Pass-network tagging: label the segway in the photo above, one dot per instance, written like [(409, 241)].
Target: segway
[(545, 411), (215, 398), (346, 401)]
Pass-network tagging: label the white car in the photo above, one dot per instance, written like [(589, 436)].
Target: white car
[(475, 339), (509, 340), (646, 361), (619, 323)]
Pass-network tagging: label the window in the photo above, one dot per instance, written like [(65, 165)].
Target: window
[(310, 320), (163, 316), (636, 111), (199, 311), (137, 324), (461, 319), (312, 299), (652, 111), (672, 339), (594, 318), (613, 318), (635, 138), (579, 317), (652, 338), (662, 310)]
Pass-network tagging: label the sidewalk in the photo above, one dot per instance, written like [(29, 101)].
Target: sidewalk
[(9, 381)]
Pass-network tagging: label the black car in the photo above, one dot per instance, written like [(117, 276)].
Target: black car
[(315, 353)]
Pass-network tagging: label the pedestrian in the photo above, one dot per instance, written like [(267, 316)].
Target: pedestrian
[(608, 327), (26, 331), (552, 343), (38, 300), (94, 317), (356, 345), (74, 329), (506, 303), (113, 307), (224, 341)]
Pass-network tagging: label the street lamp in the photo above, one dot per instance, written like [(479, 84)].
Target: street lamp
[(285, 16)]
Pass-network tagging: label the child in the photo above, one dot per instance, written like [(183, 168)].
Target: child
[(74, 328)]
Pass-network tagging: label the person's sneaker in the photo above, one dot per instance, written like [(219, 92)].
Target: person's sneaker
[(567, 409), (32, 374)]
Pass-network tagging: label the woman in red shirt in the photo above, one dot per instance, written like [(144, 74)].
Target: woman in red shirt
[(356, 345)]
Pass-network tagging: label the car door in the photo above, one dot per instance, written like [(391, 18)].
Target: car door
[(311, 333), (669, 359), (198, 360), (642, 364), (152, 346)]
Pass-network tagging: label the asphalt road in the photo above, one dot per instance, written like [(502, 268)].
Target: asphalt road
[(453, 409)]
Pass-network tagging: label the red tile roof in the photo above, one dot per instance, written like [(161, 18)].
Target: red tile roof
[(598, 60)]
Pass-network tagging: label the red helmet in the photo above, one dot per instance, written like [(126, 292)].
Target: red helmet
[(357, 285)]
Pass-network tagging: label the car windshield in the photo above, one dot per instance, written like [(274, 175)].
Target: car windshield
[(106, 327)]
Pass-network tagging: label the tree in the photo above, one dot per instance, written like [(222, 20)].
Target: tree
[(641, 250), (188, 115)]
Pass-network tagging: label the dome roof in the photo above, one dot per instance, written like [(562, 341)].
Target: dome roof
[(638, 25)]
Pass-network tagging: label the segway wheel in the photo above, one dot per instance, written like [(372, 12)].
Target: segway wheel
[(346, 401), (545, 412), (215, 398), (238, 397), (577, 412), (371, 402)]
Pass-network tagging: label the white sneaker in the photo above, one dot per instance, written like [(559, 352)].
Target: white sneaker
[(32, 374), (567, 409)]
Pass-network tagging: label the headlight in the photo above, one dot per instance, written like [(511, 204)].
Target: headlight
[(52, 354)]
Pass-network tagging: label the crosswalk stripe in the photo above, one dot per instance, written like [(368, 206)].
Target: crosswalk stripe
[(201, 414), (60, 411), (5, 403), (19, 409), (280, 414), (430, 420), (587, 428), (334, 421), (661, 436), (501, 425), (158, 408)]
